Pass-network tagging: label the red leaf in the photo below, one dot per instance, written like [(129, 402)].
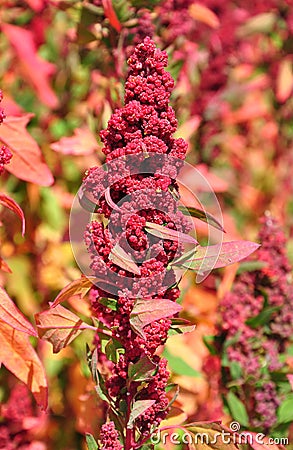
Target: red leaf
[(82, 143), (11, 204), (36, 5), (220, 255), (4, 266), (36, 70), (77, 288), (11, 315), (27, 162), (122, 259), (167, 233), (59, 326), (147, 311), (18, 356), (111, 15)]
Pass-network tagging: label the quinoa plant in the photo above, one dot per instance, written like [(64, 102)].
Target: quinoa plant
[(256, 337), (135, 238)]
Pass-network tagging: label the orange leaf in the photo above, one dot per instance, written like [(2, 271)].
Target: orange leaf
[(27, 162), (175, 417), (111, 15), (284, 80), (35, 70), (18, 356), (11, 315), (81, 306), (204, 14), (13, 206), (254, 108), (227, 280), (76, 288), (59, 326), (82, 143), (4, 266)]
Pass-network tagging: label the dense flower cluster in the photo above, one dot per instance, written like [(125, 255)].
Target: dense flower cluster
[(144, 26), (109, 437), (14, 433), (143, 160), (257, 318), (175, 17), (5, 153)]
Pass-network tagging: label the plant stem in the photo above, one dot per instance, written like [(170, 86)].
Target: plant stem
[(129, 431)]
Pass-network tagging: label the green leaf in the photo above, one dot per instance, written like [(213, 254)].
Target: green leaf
[(52, 212), (97, 377), (263, 317), (186, 256), (285, 410), (179, 366), (175, 67), (139, 407), (233, 340), (104, 340), (144, 3), (235, 370), (87, 19), (201, 215), (91, 442), (143, 370), (290, 350), (250, 266), (171, 386), (174, 396), (110, 303), (123, 406), (209, 343), (123, 9), (113, 350), (238, 410), (146, 447), (99, 324)]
